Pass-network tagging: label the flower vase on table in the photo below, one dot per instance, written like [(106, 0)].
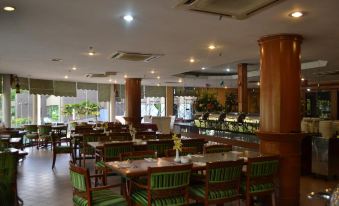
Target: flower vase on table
[(177, 146), (132, 131)]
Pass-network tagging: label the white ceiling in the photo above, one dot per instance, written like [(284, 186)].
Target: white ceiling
[(40, 30)]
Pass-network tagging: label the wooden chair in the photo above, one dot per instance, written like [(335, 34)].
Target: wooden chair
[(217, 148), (160, 146), (8, 177), (32, 133), (260, 178), (164, 136), (111, 152), (165, 186), (58, 148), (198, 143), (184, 151), (120, 136), (145, 135), (86, 151), (45, 135), (137, 155), (85, 194), (221, 183)]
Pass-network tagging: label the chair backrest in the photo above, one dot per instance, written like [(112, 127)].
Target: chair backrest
[(261, 171), (217, 148), (44, 129), (168, 182), (160, 146), (120, 136), (112, 151), (8, 175), (184, 151), (145, 135), (31, 128), (223, 176), (164, 136), (80, 182), (94, 137), (137, 155), (4, 143), (198, 143)]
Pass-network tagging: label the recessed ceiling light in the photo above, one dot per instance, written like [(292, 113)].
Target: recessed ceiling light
[(128, 18), (225, 87), (180, 80), (308, 89), (66, 77), (302, 79), (9, 8), (211, 47), (158, 77), (110, 80), (258, 83), (296, 14), (125, 76), (203, 68), (115, 81), (228, 69), (91, 51), (74, 68), (192, 60), (152, 71), (158, 85)]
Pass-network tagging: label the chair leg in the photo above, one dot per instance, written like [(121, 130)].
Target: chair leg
[(54, 157), (273, 199), (248, 200)]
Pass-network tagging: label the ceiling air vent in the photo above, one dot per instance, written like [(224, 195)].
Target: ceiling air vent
[(134, 56), (238, 9), (100, 75)]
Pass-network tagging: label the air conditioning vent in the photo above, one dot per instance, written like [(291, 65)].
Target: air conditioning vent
[(134, 56), (100, 75), (238, 9)]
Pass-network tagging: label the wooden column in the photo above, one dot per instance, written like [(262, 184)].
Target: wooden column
[(280, 110), (6, 100), (169, 101), (242, 88), (334, 104), (133, 101)]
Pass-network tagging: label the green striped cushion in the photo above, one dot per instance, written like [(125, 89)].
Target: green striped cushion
[(100, 164), (224, 174), (114, 152), (140, 197), (78, 181), (63, 149), (160, 148), (199, 190), (265, 168), (218, 149), (258, 187), (101, 198), (169, 180)]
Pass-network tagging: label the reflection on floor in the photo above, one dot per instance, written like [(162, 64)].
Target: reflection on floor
[(39, 185)]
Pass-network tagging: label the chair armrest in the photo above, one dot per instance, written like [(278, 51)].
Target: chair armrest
[(104, 187), (139, 185)]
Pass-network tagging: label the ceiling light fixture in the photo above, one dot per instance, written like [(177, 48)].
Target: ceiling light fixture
[(158, 77), (9, 8), (211, 47), (308, 89), (192, 60), (203, 68), (152, 71), (228, 69), (125, 76), (302, 79), (66, 77), (158, 85), (296, 14), (128, 18), (225, 87), (115, 81), (91, 51), (74, 68), (110, 80), (258, 83), (56, 60), (180, 80)]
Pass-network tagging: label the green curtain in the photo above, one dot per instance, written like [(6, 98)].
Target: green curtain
[(104, 92), (155, 91), (1, 83), (185, 91), (23, 82), (121, 92), (65, 89), (43, 87), (87, 86)]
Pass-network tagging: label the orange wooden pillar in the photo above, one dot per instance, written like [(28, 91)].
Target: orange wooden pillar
[(242, 88), (133, 101), (280, 110)]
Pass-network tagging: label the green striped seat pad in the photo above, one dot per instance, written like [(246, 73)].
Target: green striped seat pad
[(265, 168), (64, 149), (101, 198), (199, 190), (140, 197), (258, 187)]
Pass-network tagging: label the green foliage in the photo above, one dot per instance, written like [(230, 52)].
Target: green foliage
[(20, 121), (53, 112), (207, 102), (82, 109), (231, 101)]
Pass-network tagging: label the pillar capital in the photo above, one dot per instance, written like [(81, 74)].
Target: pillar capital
[(279, 37)]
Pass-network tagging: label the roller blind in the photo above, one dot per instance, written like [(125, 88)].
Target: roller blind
[(1, 83), (43, 87), (155, 91), (23, 82), (184, 91), (104, 92), (87, 86), (65, 89)]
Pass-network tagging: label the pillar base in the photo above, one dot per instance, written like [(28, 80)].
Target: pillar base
[(287, 146), (135, 121)]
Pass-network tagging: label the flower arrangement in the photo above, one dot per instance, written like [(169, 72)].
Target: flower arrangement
[(132, 131), (105, 125), (177, 142), (207, 102)]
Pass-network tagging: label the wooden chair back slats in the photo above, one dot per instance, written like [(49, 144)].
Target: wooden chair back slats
[(137, 155)]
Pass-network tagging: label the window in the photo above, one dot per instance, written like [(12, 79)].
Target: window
[(183, 106), (21, 108), (153, 106)]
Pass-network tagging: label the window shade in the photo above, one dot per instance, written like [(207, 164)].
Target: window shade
[(184, 91), (104, 92), (1, 83), (65, 89), (43, 87), (23, 82), (155, 91), (87, 86)]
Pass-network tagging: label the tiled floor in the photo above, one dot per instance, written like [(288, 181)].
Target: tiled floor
[(39, 185)]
